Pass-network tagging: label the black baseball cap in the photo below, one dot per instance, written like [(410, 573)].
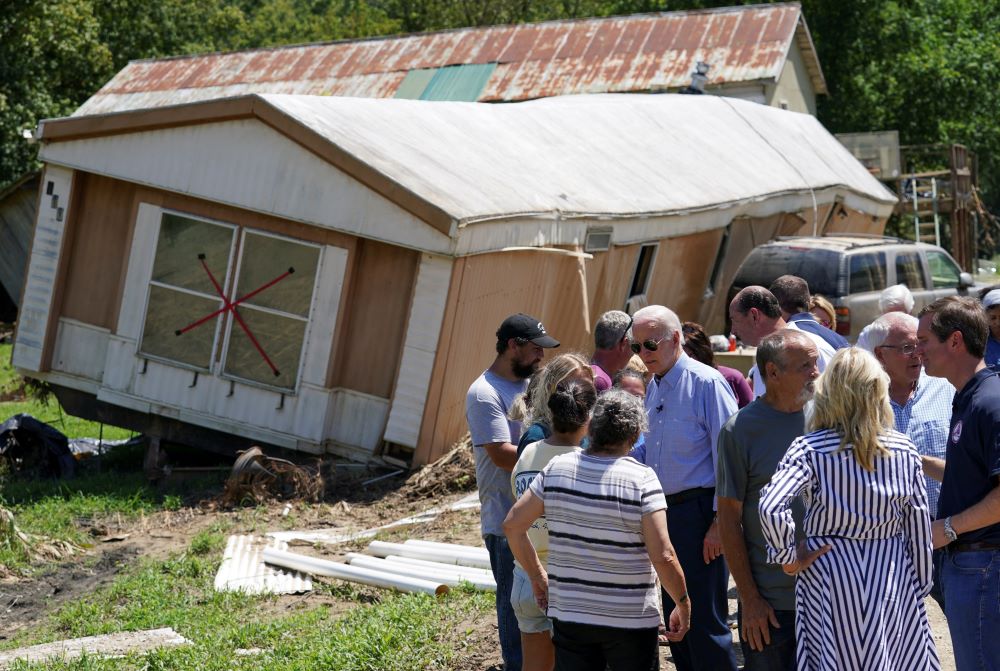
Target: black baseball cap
[(527, 327)]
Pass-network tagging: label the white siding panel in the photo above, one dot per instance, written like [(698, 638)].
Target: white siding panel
[(357, 419), (39, 286), (422, 333), (119, 364), (81, 349), (319, 339), (140, 269), (250, 165)]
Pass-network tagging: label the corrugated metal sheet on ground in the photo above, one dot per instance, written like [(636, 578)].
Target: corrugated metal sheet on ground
[(333, 536), (624, 54), (243, 570)]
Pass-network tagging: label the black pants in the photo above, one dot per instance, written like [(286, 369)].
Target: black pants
[(586, 647)]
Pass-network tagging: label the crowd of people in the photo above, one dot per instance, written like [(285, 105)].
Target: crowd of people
[(839, 485)]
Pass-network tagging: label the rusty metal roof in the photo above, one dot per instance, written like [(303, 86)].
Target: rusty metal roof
[(639, 53)]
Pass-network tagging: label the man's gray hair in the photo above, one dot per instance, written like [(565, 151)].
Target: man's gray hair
[(896, 298), (874, 334), (618, 416), (664, 321), (772, 348), (611, 328)]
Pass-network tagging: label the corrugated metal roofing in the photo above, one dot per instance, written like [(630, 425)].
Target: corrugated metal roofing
[(243, 569), (645, 52)]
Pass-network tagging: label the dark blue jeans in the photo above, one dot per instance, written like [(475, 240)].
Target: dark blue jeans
[(708, 645), (779, 655), (589, 647), (971, 582), (502, 565)]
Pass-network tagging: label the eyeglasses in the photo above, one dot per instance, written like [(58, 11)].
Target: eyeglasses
[(650, 345), (905, 350)]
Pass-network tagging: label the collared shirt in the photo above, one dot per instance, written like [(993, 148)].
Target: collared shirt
[(687, 407), (924, 418), (806, 322), (973, 452)]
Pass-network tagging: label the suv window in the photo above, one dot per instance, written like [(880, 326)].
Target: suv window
[(818, 267), (944, 272), (867, 272), (909, 271)]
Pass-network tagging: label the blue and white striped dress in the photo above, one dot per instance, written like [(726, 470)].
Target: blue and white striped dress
[(861, 605)]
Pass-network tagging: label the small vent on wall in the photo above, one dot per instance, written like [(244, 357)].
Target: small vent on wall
[(598, 239)]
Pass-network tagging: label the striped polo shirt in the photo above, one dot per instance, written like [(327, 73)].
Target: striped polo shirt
[(598, 566)]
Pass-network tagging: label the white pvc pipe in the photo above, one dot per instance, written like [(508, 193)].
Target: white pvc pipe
[(443, 575), (365, 576), (470, 570), (445, 556), (449, 546)]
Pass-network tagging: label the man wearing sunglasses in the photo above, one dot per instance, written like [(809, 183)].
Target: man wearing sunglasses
[(921, 404), (521, 343), (688, 403)]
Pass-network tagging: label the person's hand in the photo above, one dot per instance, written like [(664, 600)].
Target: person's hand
[(757, 614), (711, 547), (937, 534), (679, 622), (804, 558), (540, 588)]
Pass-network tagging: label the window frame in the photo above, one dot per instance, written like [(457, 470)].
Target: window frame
[(655, 246), (224, 322), (224, 352), (150, 282)]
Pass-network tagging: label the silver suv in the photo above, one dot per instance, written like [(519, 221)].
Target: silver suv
[(852, 270)]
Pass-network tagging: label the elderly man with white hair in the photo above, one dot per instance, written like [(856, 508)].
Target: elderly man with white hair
[(687, 403), (921, 404), (896, 298)]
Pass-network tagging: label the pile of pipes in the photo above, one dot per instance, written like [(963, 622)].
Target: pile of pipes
[(412, 566)]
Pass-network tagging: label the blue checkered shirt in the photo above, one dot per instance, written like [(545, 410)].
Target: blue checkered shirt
[(926, 419)]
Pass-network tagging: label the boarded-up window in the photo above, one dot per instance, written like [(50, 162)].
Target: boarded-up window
[(251, 328)]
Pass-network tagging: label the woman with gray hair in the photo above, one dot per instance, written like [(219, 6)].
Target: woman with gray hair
[(865, 565), (608, 542)]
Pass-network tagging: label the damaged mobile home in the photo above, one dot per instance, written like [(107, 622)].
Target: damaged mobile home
[(327, 273)]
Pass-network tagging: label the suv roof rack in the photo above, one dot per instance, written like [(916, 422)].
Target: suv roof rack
[(870, 239)]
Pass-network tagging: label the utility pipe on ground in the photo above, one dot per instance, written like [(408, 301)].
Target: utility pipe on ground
[(450, 578), (365, 576), (445, 556)]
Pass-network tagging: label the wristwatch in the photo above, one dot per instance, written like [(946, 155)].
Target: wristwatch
[(949, 531)]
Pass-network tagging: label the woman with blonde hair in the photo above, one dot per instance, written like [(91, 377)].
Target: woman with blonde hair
[(822, 310), (562, 368), (864, 567)]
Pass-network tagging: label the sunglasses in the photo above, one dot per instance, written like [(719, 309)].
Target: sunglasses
[(905, 350), (650, 345)]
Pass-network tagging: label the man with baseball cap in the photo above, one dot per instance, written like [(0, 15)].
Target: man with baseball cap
[(521, 343)]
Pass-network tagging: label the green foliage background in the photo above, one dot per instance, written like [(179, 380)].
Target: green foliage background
[(929, 68)]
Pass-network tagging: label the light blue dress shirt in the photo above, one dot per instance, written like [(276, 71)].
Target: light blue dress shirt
[(687, 408), (926, 419)]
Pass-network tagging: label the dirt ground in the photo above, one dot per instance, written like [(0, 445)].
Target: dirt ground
[(25, 603)]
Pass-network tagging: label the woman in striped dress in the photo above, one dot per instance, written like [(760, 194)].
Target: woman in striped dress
[(864, 567)]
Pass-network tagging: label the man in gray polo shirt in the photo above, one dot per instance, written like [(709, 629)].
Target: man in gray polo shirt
[(751, 444), (520, 343)]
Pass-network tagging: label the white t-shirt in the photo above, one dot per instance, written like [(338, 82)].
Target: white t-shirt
[(533, 459)]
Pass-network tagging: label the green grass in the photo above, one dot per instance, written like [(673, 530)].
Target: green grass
[(399, 632)]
